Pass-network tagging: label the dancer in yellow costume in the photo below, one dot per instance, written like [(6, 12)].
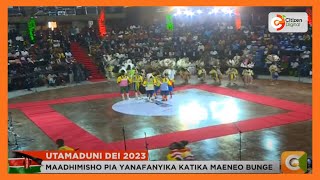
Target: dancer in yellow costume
[(201, 72), (124, 81), (157, 79), (185, 75), (232, 72), (137, 81), (216, 74), (274, 72), (149, 83), (131, 71), (247, 72), (273, 68), (171, 75), (233, 75), (164, 87)]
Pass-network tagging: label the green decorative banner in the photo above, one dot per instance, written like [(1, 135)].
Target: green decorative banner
[(169, 20), (31, 29)]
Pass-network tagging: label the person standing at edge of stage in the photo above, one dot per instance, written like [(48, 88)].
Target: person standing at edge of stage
[(123, 80), (164, 87), (62, 147), (171, 84)]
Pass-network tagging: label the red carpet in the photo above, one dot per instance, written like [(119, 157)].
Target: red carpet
[(260, 99), (163, 140), (56, 125), (82, 57)]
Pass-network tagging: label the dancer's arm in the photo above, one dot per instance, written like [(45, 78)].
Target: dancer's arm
[(119, 79)]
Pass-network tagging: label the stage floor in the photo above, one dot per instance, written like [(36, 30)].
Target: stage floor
[(208, 120)]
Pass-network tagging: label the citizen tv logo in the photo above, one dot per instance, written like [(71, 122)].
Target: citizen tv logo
[(282, 22)]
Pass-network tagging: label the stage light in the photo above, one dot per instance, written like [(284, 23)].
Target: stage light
[(225, 112), (178, 13), (214, 11), (188, 13), (52, 25), (229, 11), (199, 11), (192, 113), (185, 12), (177, 8), (225, 10), (270, 142)]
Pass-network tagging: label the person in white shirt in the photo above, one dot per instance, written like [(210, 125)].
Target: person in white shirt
[(19, 38), (201, 47), (56, 43), (24, 53), (37, 69), (294, 65), (246, 51), (183, 38), (11, 55), (23, 59), (68, 54), (77, 30), (49, 68), (51, 79), (17, 54)]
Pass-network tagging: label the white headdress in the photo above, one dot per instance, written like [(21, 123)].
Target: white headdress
[(271, 58)]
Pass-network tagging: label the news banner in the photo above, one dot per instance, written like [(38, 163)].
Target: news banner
[(130, 162)]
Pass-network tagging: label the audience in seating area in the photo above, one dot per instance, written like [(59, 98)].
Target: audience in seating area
[(31, 65)]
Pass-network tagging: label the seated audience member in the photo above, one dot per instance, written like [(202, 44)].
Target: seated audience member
[(28, 84), (51, 79), (68, 54), (61, 80)]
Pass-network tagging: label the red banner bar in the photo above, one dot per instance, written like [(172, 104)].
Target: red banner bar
[(88, 155)]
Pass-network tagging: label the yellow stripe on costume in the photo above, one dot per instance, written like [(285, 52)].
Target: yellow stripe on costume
[(158, 81), (65, 148), (120, 78), (231, 76), (145, 82)]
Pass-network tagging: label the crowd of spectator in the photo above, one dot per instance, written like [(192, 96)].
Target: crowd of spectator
[(49, 60)]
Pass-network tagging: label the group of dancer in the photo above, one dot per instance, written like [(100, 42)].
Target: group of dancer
[(151, 84), (245, 62), (247, 65), (159, 81)]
